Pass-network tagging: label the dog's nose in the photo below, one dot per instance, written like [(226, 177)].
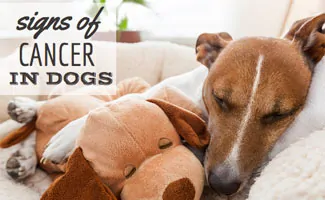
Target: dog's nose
[(224, 182)]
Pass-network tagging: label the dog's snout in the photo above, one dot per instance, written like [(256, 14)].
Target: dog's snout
[(224, 181)]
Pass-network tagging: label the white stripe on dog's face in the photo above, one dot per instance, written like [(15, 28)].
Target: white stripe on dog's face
[(252, 93), (233, 156)]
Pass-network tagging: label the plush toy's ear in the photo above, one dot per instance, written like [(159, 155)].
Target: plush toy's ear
[(309, 35), (187, 124), (18, 135), (209, 46), (79, 182)]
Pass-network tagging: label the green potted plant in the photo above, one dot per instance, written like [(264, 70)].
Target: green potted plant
[(123, 34)]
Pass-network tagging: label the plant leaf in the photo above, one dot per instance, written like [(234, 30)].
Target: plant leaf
[(94, 8), (123, 25), (140, 2)]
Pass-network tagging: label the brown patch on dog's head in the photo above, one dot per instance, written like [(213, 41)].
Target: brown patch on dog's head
[(255, 88)]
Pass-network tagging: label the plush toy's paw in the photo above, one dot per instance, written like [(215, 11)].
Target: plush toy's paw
[(22, 164), (62, 144), (22, 109)]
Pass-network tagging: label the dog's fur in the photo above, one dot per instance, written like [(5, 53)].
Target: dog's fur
[(253, 89), (21, 164)]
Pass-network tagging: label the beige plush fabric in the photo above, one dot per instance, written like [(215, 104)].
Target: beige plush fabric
[(123, 140), (134, 147), (124, 134), (59, 111), (157, 173), (135, 144)]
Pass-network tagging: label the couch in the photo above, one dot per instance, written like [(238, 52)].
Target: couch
[(155, 61)]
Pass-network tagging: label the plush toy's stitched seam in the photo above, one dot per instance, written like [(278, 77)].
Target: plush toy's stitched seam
[(130, 133), (127, 130)]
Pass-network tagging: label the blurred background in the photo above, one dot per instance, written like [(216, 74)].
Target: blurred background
[(181, 21), (170, 26)]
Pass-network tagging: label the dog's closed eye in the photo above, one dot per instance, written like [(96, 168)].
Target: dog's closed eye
[(221, 102), (276, 116), (322, 29)]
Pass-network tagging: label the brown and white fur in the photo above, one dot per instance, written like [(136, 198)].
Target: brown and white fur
[(253, 90), (253, 99)]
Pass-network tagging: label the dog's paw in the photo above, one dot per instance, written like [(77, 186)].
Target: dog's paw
[(21, 164), (22, 109), (58, 151), (62, 144)]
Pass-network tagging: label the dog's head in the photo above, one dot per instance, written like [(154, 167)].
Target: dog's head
[(255, 88)]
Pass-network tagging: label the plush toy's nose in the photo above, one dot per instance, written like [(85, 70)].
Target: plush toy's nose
[(223, 181)]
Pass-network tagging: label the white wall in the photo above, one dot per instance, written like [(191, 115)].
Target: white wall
[(240, 18), (182, 21), (304, 8)]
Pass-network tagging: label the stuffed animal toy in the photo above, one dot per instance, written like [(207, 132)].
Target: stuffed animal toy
[(59, 111), (134, 148), (129, 149)]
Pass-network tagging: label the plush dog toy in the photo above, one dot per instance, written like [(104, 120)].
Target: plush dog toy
[(57, 112), (135, 149), (129, 149)]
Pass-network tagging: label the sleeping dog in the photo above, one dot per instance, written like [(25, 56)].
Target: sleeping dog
[(251, 90)]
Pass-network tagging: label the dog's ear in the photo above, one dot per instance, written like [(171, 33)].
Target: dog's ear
[(187, 124), (209, 46), (309, 35), (80, 181)]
